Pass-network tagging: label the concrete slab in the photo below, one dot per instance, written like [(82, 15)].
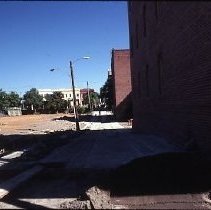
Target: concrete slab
[(52, 203), (107, 145), (179, 201), (12, 155), (14, 182), (2, 163), (101, 113)]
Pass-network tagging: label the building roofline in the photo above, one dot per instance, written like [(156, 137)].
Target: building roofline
[(120, 49), (58, 89)]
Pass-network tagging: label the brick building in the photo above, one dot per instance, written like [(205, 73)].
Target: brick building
[(121, 74), (84, 93), (171, 70)]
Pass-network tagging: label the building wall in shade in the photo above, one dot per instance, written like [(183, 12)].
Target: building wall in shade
[(121, 74), (170, 45)]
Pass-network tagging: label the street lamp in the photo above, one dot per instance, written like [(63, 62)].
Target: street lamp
[(90, 108), (73, 87)]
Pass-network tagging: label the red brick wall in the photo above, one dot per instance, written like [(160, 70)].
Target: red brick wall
[(120, 65), (171, 70)]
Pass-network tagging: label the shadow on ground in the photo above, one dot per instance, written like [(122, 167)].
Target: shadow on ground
[(160, 174), (90, 118), (167, 173), (43, 143)]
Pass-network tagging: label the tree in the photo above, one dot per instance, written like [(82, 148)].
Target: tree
[(106, 93), (55, 102), (14, 99), (33, 100), (8, 100), (4, 103), (94, 99)]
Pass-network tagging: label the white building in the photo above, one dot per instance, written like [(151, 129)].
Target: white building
[(67, 94)]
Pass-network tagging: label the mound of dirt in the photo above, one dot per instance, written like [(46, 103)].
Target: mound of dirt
[(168, 173)]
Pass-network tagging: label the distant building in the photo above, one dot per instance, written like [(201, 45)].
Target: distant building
[(109, 73), (67, 94), (170, 45), (121, 75), (14, 111), (84, 93)]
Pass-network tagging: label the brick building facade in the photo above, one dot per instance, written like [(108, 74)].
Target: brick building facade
[(121, 74), (171, 70), (84, 93)]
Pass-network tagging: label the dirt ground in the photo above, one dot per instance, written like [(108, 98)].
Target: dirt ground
[(51, 166), (11, 125)]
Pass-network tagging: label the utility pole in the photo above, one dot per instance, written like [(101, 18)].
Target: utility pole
[(73, 87), (90, 108), (74, 99)]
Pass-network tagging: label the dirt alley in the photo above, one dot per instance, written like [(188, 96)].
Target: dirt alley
[(105, 154)]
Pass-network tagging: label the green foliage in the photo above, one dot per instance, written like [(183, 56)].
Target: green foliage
[(32, 98), (94, 98), (8, 100), (106, 93), (55, 102), (14, 99), (82, 109), (3, 100)]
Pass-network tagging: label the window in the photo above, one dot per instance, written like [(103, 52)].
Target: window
[(77, 95), (147, 80), (137, 35), (156, 10), (138, 94), (131, 45), (70, 95), (66, 95), (159, 73), (144, 21)]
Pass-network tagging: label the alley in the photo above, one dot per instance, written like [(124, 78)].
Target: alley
[(108, 145), (99, 157)]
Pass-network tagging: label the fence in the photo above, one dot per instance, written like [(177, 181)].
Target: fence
[(14, 111)]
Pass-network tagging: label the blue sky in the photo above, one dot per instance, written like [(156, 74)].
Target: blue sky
[(39, 35)]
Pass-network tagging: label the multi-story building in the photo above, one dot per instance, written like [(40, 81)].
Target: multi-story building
[(84, 93), (170, 46), (121, 76), (67, 94)]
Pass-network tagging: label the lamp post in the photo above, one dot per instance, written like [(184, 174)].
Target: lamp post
[(74, 97), (73, 87), (90, 108)]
